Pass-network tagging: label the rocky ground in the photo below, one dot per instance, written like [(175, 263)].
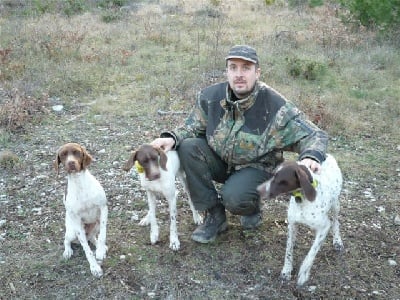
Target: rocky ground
[(239, 265)]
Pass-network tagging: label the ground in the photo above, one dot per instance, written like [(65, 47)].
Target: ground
[(239, 265)]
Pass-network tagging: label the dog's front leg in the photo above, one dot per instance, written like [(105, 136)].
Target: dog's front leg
[(154, 231), (94, 266), (101, 247), (174, 243), (337, 240), (70, 235), (286, 272), (197, 218), (320, 235)]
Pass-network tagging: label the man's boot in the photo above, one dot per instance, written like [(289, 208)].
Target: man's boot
[(214, 223), (252, 221)]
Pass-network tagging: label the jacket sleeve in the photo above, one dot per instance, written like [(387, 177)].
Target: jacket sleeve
[(194, 126), (292, 131)]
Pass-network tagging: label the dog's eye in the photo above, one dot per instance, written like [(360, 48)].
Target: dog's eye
[(282, 182)]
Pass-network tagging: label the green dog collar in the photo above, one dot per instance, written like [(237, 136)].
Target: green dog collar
[(298, 195)]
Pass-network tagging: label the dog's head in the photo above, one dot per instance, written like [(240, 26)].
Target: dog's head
[(287, 178), (73, 157), (149, 160)]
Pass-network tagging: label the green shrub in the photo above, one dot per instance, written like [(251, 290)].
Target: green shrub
[(303, 68), (310, 3), (73, 7), (44, 6), (372, 13), (110, 16), (112, 3)]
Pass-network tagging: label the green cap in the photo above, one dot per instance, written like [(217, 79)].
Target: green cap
[(243, 52)]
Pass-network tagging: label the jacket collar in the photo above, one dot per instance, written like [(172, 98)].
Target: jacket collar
[(240, 104)]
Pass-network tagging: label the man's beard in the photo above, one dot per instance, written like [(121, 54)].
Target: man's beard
[(242, 95)]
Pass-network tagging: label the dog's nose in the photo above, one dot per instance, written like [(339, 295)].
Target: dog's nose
[(71, 166), (155, 177)]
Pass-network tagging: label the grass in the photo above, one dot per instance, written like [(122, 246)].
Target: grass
[(148, 58), (113, 67)]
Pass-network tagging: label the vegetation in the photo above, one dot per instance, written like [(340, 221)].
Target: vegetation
[(374, 14), (123, 71)]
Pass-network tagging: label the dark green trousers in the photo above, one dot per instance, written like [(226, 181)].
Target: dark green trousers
[(204, 167)]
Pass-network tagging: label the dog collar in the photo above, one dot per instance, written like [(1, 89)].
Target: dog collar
[(298, 195), (139, 167)]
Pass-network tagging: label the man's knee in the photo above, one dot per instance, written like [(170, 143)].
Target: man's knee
[(240, 203), (187, 146)]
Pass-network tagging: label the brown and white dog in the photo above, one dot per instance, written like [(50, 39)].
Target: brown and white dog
[(313, 196), (85, 205), (157, 171)]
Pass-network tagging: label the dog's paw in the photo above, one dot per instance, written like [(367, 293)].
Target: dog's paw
[(285, 276), (302, 277), (153, 237), (338, 246), (96, 270), (144, 221), (174, 244), (101, 253), (197, 218), (67, 253)]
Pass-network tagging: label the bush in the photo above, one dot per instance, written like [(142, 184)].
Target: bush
[(19, 111), (307, 69), (8, 159), (74, 7), (384, 14)]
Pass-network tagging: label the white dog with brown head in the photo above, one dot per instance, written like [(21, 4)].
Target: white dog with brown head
[(157, 172), (85, 205), (313, 196)]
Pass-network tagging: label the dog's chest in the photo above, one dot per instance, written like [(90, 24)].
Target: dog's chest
[(84, 196), (159, 186), (308, 212)]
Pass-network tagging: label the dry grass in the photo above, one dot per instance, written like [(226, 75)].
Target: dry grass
[(112, 78), (161, 54), (18, 111)]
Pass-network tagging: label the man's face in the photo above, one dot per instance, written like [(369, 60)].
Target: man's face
[(242, 76)]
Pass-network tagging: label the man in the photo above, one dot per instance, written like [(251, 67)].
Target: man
[(236, 135)]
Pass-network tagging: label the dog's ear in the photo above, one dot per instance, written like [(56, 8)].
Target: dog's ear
[(163, 159), (131, 161), (86, 159), (305, 183), (57, 161)]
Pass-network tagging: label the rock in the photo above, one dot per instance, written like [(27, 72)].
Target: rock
[(58, 108), (392, 262)]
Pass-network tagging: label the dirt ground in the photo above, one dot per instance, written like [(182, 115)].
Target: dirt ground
[(239, 265)]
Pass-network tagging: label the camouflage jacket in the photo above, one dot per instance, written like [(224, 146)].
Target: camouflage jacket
[(253, 131)]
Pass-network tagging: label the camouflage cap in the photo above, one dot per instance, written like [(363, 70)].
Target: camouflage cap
[(243, 52)]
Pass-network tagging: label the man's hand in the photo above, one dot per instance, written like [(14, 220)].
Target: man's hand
[(164, 143), (312, 164)]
